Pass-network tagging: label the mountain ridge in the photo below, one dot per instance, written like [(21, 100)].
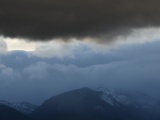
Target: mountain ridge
[(99, 104), (23, 107), (8, 113), (86, 104)]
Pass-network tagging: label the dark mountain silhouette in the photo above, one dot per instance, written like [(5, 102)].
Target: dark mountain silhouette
[(88, 104), (8, 113)]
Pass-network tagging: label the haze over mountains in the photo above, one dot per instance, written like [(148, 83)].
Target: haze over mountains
[(25, 77), (48, 47), (85, 104)]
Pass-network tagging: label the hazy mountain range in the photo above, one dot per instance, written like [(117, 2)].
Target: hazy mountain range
[(86, 104)]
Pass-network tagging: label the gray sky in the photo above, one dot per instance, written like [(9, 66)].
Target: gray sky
[(50, 46), (34, 77)]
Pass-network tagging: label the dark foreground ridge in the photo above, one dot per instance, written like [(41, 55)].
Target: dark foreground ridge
[(7, 113), (88, 104)]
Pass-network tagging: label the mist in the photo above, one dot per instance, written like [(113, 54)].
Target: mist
[(26, 77), (106, 53)]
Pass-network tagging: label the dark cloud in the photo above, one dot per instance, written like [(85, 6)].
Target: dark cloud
[(46, 19)]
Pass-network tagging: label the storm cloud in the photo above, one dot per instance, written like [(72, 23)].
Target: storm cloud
[(47, 19)]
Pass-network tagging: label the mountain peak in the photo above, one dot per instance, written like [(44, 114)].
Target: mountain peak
[(99, 104), (72, 96)]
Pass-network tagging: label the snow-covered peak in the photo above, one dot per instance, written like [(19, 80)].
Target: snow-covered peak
[(106, 95), (6, 103), (23, 107), (112, 97)]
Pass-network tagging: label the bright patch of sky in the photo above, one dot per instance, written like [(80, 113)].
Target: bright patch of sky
[(19, 44), (60, 49)]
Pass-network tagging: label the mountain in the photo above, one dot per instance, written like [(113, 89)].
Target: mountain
[(24, 107), (124, 97), (99, 104), (137, 103), (7, 113)]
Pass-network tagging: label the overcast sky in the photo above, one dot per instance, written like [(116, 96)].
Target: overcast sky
[(54, 67), (48, 47)]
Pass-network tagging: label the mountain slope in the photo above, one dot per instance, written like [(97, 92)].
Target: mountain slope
[(81, 104), (7, 113), (139, 105), (85, 104), (23, 107)]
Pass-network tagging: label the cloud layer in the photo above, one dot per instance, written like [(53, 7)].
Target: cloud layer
[(47, 19), (25, 77), (3, 46)]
